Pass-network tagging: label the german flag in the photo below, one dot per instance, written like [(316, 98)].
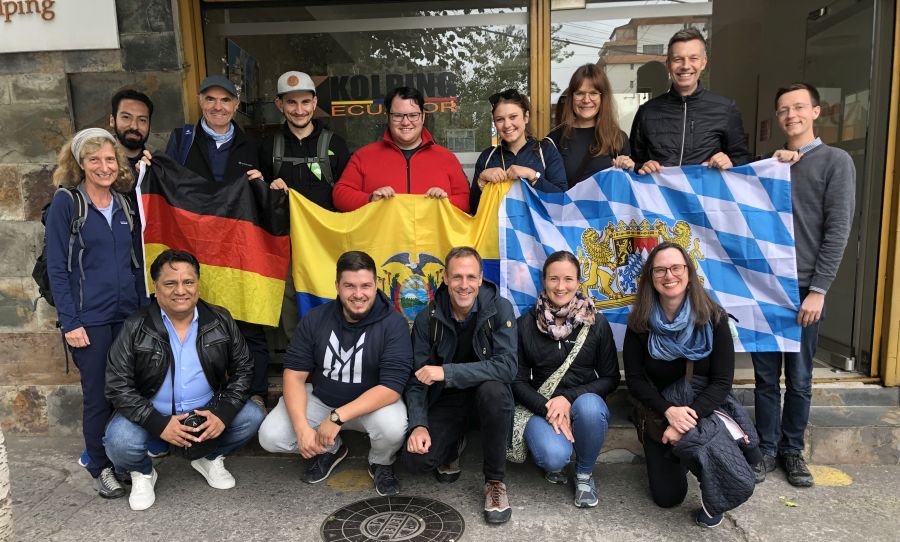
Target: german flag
[(238, 230)]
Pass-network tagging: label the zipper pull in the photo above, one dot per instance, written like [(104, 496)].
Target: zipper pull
[(692, 127)]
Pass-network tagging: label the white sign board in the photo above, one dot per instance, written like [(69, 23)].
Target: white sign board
[(57, 25)]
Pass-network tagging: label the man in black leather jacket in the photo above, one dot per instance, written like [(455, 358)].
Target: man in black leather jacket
[(688, 125), (177, 357)]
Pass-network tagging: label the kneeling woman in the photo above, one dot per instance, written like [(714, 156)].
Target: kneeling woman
[(518, 156), (567, 365), (676, 330)]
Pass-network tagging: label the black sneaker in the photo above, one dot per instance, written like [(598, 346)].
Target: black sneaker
[(449, 473), (107, 485), (386, 484), (765, 466), (323, 464), (705, 520), (794, 466)]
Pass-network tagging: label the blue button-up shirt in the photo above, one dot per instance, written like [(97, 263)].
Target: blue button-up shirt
[(191, 387)]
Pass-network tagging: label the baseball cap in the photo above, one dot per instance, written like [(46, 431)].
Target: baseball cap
[(218, 81), (294, 81)]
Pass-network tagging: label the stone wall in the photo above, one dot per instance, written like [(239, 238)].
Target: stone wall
[(44, 98)]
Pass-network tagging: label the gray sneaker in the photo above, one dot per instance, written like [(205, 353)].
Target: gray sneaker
[(585, 491), (107, 485), (449, 473), (557, 477), (496, 502)]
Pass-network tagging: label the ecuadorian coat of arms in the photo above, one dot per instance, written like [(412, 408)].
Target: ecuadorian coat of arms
[(612, 259), (410, 281)]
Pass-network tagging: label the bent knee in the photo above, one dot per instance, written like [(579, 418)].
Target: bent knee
[(274, 440), (494, 393), (591, 405)]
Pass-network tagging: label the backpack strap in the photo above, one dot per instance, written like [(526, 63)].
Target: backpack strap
[(185, 142), (322, 154), (129, 216), (79, 217), (277, 153)]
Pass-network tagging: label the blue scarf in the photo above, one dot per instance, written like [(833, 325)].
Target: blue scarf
[(217, 137), (679, 338)]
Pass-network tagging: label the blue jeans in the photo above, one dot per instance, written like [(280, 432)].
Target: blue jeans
[(126, 441), (551, 452), (782, 430)]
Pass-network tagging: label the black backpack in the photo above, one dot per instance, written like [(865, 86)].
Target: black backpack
[(40, 273), (321, 157)]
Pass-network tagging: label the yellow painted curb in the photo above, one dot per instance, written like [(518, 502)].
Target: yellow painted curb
[(829, 477)]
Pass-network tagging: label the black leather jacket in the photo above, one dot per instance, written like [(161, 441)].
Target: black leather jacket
[(680, 130), (140, 358)]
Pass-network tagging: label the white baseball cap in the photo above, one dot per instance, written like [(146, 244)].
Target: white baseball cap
[(294, 81)]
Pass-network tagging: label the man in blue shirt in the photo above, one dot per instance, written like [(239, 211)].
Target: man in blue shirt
[(177, 357)]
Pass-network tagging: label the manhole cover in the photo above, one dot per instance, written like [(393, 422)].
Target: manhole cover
[(416, 519)]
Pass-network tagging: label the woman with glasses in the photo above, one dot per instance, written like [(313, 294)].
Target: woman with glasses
[(565, 396), (676, 329), (588, 135), (518, 156)]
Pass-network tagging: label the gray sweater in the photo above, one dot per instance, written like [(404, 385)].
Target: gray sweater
[(823, 190)]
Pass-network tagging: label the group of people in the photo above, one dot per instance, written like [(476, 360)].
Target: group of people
[(172, 372)]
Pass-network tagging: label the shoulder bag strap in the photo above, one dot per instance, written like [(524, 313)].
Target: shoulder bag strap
[(549, 385)]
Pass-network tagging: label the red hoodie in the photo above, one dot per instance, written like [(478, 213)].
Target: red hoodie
[(383, 164)]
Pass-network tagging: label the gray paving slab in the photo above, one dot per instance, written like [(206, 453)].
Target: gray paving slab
[(53, 500)]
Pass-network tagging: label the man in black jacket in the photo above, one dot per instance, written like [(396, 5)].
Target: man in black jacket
[(464, 344), (219, 150), (345, 370), (688, 125), (177, 357)]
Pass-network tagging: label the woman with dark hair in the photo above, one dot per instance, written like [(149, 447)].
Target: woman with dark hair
[(567, 365), (588, 135), (95, 276), (678, 343), (518, 156)]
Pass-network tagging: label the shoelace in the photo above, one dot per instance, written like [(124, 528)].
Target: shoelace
[(108, 479), (496, 492), (217, 465), (583, 484)]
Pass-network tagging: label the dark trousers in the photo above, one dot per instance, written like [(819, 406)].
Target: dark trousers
[(255, 337), (491, 404), (667, 476), (781, 429), (91, 363)]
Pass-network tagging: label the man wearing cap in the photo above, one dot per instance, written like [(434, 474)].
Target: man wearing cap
[(217, 149), (308, 156), (405, 161)]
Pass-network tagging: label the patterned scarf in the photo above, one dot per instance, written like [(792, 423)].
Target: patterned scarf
[(679, 338), (578, 311)]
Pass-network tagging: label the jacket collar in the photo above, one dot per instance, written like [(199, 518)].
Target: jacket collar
[(427, 140), (693, 96), (206, 320), (288, 134), (487, 304), (236, 141)]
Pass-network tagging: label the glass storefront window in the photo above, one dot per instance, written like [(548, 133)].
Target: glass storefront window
[(355, 53)]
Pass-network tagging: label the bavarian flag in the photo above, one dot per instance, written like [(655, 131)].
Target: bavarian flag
[(408, 236), (237, 229)]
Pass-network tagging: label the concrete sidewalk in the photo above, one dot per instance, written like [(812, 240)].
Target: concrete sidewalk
[(53, 500)]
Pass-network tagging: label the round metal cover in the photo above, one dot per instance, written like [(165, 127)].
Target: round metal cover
[(415, 519)]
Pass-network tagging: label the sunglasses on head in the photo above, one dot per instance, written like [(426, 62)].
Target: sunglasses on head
[(509, 94)]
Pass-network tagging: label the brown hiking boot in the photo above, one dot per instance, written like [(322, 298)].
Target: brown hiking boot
[(496, 502)]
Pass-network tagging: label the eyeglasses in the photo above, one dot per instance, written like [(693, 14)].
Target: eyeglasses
[(509, 94), (677, 270), (398, 117), (594, 95), (798, 108)]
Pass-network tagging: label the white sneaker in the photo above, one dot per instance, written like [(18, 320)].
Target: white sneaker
[(214, 471), (142, 495)]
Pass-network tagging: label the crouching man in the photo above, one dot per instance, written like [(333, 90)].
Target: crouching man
[(345, 368), (176, 358)]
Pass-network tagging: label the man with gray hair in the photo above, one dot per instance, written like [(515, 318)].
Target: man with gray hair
[(688, 125)]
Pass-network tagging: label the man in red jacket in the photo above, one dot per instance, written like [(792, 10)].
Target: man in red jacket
[(405, 161)]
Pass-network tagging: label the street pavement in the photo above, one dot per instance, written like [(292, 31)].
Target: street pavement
[(53, 499)]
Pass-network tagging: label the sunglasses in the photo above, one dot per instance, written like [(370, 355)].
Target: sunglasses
[(509, 94)]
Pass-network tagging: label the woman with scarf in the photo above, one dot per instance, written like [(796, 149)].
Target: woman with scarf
[(96, 276), (567, 365), (518, 156), (674, 321)]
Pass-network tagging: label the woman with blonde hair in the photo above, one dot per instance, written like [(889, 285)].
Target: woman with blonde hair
[(588, 135), (95, 275)]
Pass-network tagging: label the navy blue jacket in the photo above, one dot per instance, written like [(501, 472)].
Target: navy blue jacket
[(345, 360), (112, 287), (552, 168)]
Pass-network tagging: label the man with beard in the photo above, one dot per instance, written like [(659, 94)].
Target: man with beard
[(345, 369), (130, 120), (308, 156)]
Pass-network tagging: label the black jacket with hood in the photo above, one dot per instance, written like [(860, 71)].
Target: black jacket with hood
[(434, 343), (346, 359)]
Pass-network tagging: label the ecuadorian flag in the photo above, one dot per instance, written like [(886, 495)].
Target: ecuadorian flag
[(407, 236), (237, 229)]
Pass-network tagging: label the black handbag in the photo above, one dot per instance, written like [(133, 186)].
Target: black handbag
[(197, 449)]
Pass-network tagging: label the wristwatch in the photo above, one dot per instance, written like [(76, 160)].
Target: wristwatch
[(335, 418), (537, 177)]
